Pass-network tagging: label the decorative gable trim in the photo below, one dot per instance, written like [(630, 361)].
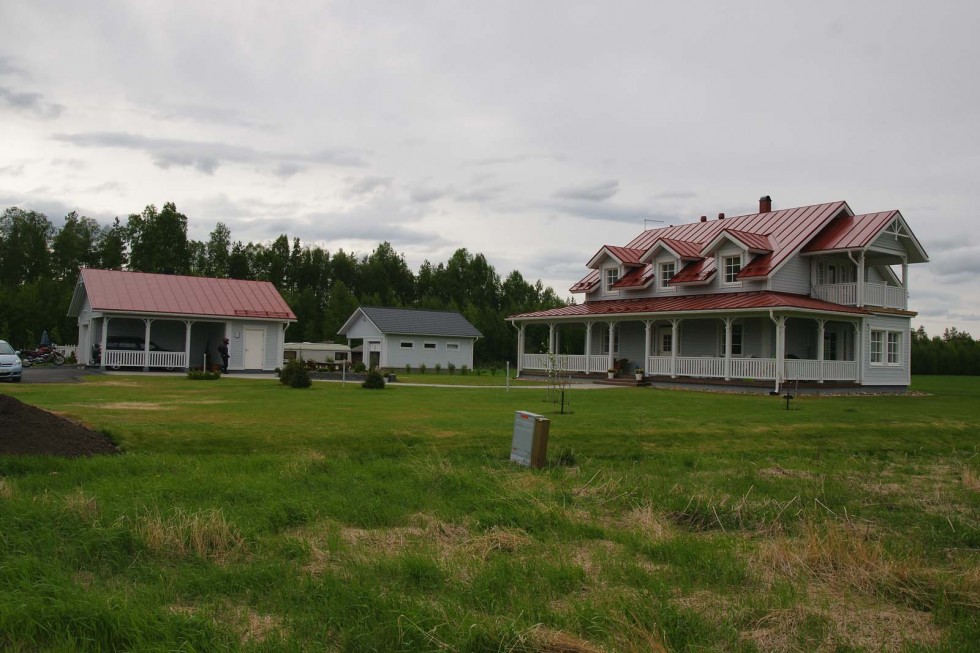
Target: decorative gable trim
[(625, 256)]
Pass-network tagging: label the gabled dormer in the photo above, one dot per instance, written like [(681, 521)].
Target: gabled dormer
[(615, 264), (667, 257), (733, 249)]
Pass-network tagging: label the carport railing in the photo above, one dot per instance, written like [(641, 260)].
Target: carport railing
[(122, 358)]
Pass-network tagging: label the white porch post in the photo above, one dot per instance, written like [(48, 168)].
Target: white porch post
[(557, 339), (674, 345), (146, 346), (821, 323), (905, 282), (588, 347), (520, 348), (551, 338), (780, 349), (728, 347), (187, 344), (860, 280), (104, 342), (859, 349), (612, 354), (647, 326)]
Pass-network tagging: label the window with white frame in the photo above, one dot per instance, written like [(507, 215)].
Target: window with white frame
[(736, 340), (612, 276), (732, 265), (452, 346), (666, 274), (886, 347)]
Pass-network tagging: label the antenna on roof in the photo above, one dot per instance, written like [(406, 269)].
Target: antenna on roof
[(646, 220)]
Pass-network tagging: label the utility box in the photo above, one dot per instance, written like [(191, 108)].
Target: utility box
[(530, 444)]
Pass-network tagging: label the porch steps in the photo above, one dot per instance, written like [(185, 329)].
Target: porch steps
[(623, 382)]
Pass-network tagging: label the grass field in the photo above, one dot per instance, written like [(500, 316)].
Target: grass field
[(246, 515)]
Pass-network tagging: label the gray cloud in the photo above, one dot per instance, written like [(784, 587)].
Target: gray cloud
[(32, 105), (425, 194), (12, 170), (613, 212), (517, 158), (205, 156), (481, 194), (204, 114), (956, 265), (596, 191), (676, 195), (366, 185)]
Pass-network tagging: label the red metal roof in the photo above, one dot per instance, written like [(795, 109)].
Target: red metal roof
[(683, 248), (694, 303), (139, 292), (852, 232), (636, 278), (695, 272), (625, 255), (753, 241), (587, 283), (789, 228)]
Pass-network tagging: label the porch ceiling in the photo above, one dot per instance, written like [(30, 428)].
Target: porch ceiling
[(718, 303)]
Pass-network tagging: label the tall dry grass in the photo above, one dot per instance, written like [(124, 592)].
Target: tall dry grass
[(205, 534)]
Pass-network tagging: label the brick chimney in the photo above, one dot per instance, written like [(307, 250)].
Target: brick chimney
[(721, 216), (704, 218), (765, 204)]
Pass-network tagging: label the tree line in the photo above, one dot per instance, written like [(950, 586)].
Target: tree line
[(40, 263), (955, 352)]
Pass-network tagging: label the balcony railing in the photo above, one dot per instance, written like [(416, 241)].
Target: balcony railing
[(875, 294)]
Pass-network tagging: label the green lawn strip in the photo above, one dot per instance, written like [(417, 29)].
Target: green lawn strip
[(265, 517)]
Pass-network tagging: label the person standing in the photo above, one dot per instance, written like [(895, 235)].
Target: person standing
[(223, 352)]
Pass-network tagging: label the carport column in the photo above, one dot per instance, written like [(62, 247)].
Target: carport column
[(105, 341), (612, 340), (728, 347), (821, 324), (675, 325), (146, 346), (187, 344), (647, 326)]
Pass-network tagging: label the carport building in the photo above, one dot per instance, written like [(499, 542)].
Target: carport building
[(178, 319)]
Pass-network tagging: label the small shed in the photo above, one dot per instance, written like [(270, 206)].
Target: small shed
[(395, 337), (176, 321)]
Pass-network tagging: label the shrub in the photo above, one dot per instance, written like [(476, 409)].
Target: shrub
[(478, 370), (451, 367), (464, 370), (295, 375), (438, 367), (493, 370), (566, 457), (422, 368), (408, 368), (374, 381), (359, 367), (203, 375)]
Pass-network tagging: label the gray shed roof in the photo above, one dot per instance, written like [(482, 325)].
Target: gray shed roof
[(407, 321)]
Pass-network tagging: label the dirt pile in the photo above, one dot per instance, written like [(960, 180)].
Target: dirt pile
[(26, 430)]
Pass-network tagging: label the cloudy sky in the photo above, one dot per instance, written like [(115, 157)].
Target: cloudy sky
[(533, 132)]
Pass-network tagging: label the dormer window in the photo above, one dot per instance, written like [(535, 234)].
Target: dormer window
[(667, 272), (612, 276), (732, 265)]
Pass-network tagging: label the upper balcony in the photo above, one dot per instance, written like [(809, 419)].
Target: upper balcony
[(863, 294)]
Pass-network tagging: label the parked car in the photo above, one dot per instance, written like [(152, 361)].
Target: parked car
[(124, 343), (10, 364)]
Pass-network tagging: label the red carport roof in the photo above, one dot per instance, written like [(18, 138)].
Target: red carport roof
[(139, 292), (693, 304)]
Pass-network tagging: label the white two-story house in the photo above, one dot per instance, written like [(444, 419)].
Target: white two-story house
[(810, 294)]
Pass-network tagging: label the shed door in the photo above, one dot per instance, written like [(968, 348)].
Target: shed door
[(254, 349)]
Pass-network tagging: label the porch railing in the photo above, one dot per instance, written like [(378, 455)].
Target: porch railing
[(875, 294), (706, 367), (126, 358)]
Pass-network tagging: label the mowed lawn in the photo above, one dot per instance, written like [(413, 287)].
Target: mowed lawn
[(246, 515)]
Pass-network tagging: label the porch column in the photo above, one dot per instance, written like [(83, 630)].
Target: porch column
[(187, 344), (860, 279), (905, 282), (647, 326), (520, 348), (780, 349), (728, 347), (612, 354), (821, 323), (588, 347), (146, 346), (674, 343), (551, 338), (859, 350), (105, 341), (557, 339)]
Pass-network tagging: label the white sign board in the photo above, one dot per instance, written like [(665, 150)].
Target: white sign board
[(522, 449)]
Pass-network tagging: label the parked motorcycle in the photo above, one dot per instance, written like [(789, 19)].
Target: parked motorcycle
[(41, 355)]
